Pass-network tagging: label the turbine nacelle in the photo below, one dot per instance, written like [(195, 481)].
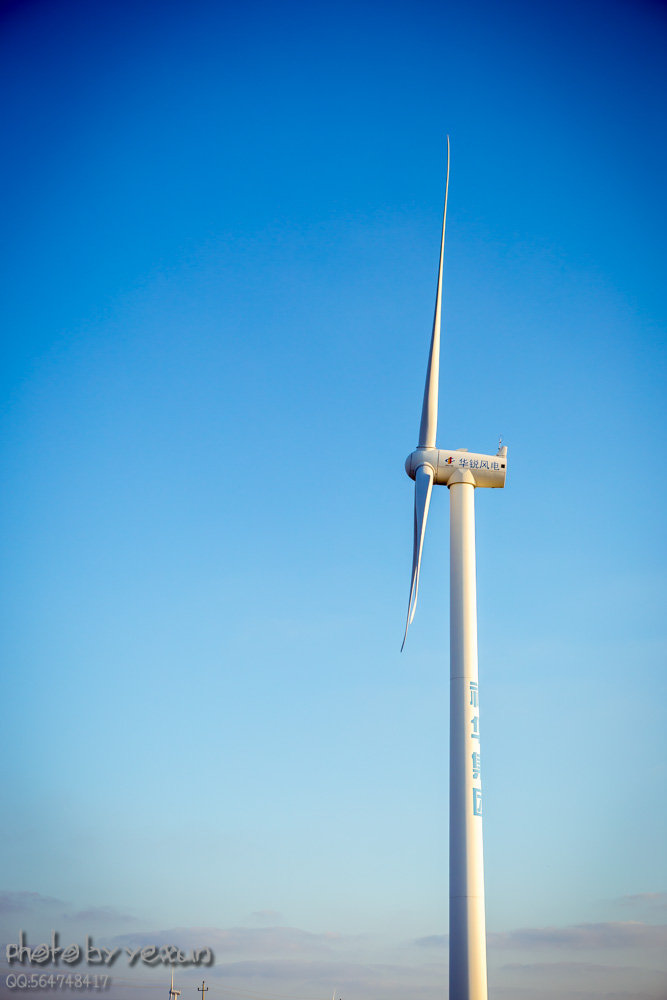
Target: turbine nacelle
[(486, 470)]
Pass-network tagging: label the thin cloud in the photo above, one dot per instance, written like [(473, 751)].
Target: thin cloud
[(433, 941), (375, 981), (629, 934), (579, 981), (26, 902), (655, 900), (574, 968), (99, 915), (239, 941), (268, 918)]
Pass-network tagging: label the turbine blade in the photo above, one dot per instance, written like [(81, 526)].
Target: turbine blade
[(429, 423), (423, 485)]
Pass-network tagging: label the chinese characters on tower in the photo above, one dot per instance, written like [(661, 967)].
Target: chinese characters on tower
[(476, 759)]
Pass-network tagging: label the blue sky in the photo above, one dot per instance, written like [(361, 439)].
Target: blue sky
[(221, 235)]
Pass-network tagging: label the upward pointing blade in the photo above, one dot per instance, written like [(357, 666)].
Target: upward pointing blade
[(423, 485), (429, 422)]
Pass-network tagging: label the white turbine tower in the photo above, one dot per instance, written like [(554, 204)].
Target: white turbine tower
[(461, 471)]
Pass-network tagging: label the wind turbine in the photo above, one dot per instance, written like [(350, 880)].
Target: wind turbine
[(462, 472), (174, 994)]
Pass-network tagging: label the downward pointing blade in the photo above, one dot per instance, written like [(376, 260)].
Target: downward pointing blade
[(429, 422), (423, 485)]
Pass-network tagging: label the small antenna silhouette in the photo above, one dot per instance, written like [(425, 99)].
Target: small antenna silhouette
[(202, 989)]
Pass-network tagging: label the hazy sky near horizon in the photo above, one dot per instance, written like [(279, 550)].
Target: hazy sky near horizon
[(221, 228)]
